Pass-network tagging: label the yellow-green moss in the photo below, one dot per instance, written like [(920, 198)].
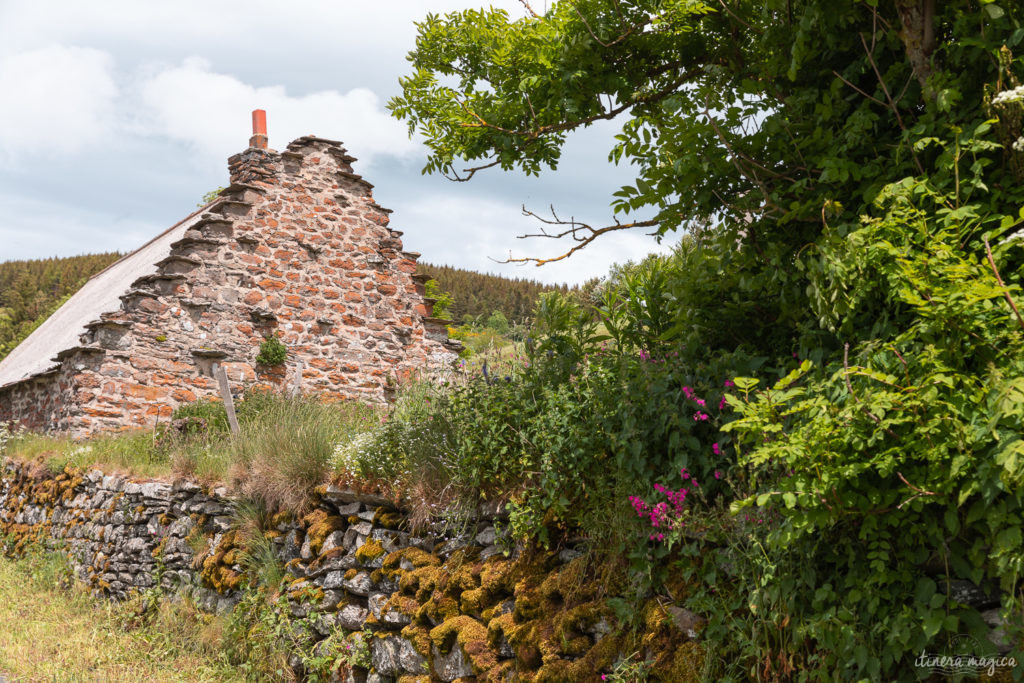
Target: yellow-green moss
[(320, 525), (471, 636), (419, 636), (388, 518), (369, 551), (281, 518)]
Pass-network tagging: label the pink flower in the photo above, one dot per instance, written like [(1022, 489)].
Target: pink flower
[(718, 475), (721, 404), (716, 449), (700, 402), (700, 417), (729, 383)]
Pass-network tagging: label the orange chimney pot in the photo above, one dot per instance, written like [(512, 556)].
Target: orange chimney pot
[(259, 129)]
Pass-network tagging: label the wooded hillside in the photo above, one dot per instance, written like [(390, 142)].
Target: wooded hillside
[(31, 290), (478, 294)]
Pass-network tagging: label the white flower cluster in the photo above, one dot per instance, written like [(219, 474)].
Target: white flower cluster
[(1015, 95), (348, 455), (1018, 145), (8, 433)]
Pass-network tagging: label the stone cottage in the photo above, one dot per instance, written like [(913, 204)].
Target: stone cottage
[(295, 247)]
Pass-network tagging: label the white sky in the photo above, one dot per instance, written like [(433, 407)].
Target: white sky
[(116, 116)]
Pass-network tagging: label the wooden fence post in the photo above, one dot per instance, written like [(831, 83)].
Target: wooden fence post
[(229, 402)]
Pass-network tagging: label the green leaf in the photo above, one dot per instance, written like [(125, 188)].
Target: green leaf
[(994, 11)]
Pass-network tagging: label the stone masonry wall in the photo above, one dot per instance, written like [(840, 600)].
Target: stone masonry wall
[(439, 607), (294, 247)]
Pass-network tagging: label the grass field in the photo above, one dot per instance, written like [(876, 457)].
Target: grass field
[(51, 633)]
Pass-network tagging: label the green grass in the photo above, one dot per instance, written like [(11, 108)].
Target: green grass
[(135, 452), (52, 633), (284, 449)]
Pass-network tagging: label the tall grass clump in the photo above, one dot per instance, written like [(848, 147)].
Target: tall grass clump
[(285, 446), (260, 559)]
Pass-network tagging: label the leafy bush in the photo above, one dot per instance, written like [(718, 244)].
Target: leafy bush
[(442, 300), (897, 468), (272, 351)]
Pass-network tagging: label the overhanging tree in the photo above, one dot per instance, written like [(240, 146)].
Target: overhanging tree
[(767, 119)]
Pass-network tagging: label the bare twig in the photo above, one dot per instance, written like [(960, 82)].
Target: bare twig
[(881, 81), (888, 96), (999, 279), (529, 9), (735, 156), (733, 14), (580, 232), (625, 34), (870, 97), (455, 177), (920, 492)]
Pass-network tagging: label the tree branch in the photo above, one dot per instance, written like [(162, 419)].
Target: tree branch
[(529, 9), (454, 177), (625, 34), (1006, 291), (734, 15), (870, 97), (569, 125), (582, 233), (892, 104)]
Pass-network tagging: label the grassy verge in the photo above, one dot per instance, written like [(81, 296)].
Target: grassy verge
[(284, 449), (52, 633)]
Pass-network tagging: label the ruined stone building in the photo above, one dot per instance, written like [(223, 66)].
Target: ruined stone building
[(295, 247)]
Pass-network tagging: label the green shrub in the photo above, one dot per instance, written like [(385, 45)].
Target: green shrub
[(896, 468), (442, 300), (272, 351)]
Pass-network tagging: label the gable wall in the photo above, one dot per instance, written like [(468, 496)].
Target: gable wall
[(295, 247)]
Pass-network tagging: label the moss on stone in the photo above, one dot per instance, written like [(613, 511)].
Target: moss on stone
[(469, 634), (419, 636), (319, 525), (388, 519), (369, 551)]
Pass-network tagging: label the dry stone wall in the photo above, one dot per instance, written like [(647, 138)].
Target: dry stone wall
[(295, 247), (432, 606)]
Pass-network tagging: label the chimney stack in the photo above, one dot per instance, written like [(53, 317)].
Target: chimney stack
[(259, 129)]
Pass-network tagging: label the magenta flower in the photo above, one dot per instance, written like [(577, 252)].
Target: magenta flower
[(718, 475), (700, 417), (729, 383), (716, 449)]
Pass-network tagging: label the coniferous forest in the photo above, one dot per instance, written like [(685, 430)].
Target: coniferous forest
[(32, 290), (476, 294)]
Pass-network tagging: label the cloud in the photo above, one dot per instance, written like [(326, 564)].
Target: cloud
[(41, 228), (57, 100), (209, 111)]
